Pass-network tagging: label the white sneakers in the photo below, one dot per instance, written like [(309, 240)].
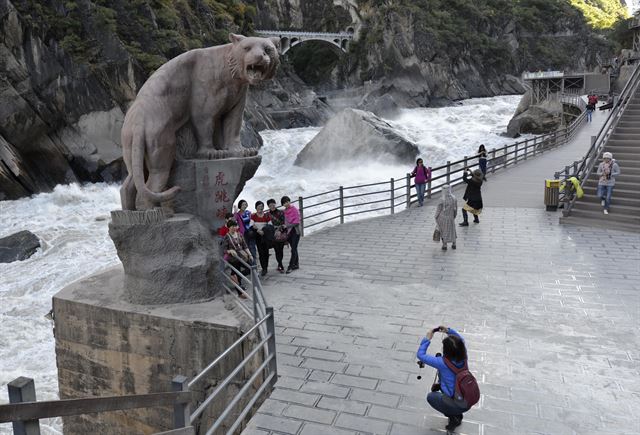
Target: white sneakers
[(605, 211), (602, 203)]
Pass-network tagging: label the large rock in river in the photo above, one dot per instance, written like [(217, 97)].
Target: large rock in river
[(356, 134), (542, 118), (18, 246)]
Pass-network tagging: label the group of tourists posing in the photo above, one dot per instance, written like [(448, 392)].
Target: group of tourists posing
[(447, 209), (247, 236)]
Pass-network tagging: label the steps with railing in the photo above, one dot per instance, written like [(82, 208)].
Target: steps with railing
[(620, 135)]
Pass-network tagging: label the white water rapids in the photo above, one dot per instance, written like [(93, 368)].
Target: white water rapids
[(72, 221)]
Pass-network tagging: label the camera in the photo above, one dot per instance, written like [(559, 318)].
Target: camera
[(420, 364)]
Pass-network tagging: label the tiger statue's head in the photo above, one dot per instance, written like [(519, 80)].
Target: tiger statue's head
[(252, 59)]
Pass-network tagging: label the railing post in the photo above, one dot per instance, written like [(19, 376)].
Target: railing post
[(429, 188), (341, 205), (515, 158), (526, 148), (448, 172), (181, 411), (493, 160), (254, 277), (301, 209), (465, 163), (504, 154), (392, 192), (408, 190), (271, 346), (23, 390)]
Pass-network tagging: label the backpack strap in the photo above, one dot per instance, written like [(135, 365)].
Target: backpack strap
[(453, 367)]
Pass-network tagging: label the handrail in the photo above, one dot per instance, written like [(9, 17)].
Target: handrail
[(90, 405), (583, 168), (398, 189)]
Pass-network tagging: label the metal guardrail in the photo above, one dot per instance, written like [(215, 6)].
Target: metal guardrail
[(340, 203), (582, 168), (24, 411)]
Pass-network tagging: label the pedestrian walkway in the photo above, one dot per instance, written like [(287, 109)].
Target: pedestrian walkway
[(550, 313)]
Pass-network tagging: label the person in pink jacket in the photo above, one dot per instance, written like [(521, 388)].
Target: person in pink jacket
[(422, 175), (292, 222)]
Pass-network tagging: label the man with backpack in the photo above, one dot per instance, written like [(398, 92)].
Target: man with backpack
[(458, 389)]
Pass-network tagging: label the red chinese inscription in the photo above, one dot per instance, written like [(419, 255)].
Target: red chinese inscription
[(220, 179)]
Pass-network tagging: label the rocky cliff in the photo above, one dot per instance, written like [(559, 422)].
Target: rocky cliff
[(69, 68)]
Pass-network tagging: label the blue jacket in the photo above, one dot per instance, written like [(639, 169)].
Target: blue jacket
[(447, 377)]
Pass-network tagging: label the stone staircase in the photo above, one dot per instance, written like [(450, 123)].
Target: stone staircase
[(624, 144)]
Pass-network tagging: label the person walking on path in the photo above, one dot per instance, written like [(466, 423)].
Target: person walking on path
[(455, 356), (292, 222), (472, 196), (482, 161), (277, 220), (422, 175), (608, 170), (261, 221), (446, 213), (592, 101)]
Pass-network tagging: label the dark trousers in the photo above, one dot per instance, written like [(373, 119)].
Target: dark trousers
[(251, 244), (483, 166), (294, 239), (263, 252), (444, 404), (279, 248)]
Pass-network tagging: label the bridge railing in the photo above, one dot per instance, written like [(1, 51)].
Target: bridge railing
[(360, 201), (345, 35), (581, 169)]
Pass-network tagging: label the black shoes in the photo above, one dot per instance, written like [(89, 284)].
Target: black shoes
[(281, 268), (454, 422), (476, 220), (453, 246), (289, 269), (464, 224), (264, 272)]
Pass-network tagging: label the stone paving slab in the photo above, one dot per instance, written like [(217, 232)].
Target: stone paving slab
[(551, 327)]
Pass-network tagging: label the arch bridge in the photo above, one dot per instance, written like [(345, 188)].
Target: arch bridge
[(289, 39)]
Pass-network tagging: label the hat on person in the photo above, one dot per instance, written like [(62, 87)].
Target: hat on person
[(607, 155)]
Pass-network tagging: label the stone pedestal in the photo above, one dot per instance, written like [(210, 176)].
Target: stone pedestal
[(106, 347), (166, 259), (209, 187)]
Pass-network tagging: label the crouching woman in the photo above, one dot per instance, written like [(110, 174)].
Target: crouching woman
[(453, 374)]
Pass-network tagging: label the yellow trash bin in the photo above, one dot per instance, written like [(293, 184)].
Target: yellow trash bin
[(552, 194)]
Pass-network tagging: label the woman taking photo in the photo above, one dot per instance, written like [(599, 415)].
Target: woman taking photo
[(472, 196)]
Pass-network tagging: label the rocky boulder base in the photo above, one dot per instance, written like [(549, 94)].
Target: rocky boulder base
[(18, 246), (353, 135), (538, 119), (166, 259)]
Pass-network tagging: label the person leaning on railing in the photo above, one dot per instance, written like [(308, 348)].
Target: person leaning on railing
[(235, 249), (292, 222)]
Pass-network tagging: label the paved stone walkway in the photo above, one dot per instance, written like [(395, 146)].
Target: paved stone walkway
[(550, 314)]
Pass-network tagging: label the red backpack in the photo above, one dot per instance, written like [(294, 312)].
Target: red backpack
[(467, 392)]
